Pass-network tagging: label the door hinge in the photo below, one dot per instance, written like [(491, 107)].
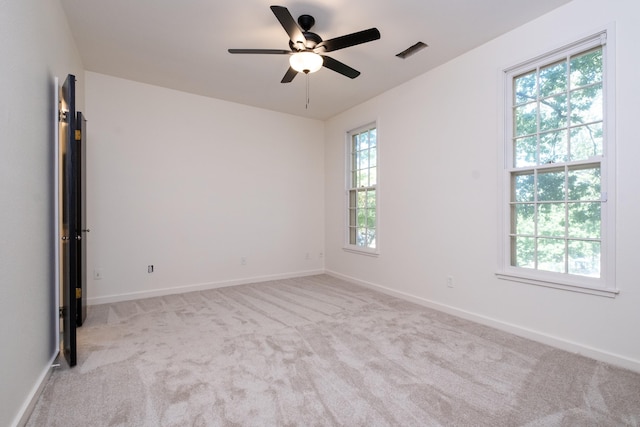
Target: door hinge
[(62, 115), (62, 311), (78, 135), (78, 293)]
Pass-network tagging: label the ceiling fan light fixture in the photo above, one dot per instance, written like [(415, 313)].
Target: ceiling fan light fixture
[(306, 62)]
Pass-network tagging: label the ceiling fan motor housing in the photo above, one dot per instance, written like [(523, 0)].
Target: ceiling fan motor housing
[(312, 39)]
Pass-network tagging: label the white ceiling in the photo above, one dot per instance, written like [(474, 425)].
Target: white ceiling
[(182, 44)]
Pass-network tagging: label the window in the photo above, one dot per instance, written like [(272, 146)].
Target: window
[(557, 184), (362, 179)]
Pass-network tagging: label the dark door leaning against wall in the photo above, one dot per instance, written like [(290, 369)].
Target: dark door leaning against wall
[(73, 227), (81, 216)]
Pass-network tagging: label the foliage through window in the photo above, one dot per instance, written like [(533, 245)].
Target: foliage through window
[(361, 193), (557, 148)]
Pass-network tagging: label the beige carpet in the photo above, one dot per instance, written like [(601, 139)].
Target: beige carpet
[(318, 351)]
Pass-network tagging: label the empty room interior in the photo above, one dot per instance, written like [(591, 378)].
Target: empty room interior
[(434, 224)]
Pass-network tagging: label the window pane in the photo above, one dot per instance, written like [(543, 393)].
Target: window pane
[(526, 119), (363, 178), (551, 186), (371, 218), (361, 237), (584, 184), (524, 151), (586, 141), (365, 237), (373, 176), (586, 105), (524, 88), (371, 199), (523, 187), (363, 142), (554, 147), (524, 253), (373, 157), (524, 219), (551, 255), (551, 220), (586, 68), (553, 79), (553, 112), (373, 135), (363, 159), (362, 199), (584, 258), (584, 220)]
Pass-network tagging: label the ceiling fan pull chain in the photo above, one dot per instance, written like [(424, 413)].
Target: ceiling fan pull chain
[(307, 105)]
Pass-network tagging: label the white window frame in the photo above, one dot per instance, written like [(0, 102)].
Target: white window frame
[(348, 188), (606, 284)]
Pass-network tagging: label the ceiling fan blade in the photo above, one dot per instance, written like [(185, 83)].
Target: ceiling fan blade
[(289, 24), (353, 39), (261, 51), (339, 67), (289, 75)]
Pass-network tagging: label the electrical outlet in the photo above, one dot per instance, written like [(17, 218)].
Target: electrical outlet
[(321, 255), (150, 269), (450, 281), (243, 260), (97, 274)]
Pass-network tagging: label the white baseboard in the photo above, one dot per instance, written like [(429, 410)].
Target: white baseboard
[(32, 398), (563, 344), (197, 287)]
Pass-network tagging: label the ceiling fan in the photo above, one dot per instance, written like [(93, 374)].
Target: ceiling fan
[(307, 48)]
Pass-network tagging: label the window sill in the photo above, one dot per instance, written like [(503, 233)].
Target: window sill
[(549, 283), (361, 251)]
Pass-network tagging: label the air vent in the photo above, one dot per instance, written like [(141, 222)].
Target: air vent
[(411, 50)]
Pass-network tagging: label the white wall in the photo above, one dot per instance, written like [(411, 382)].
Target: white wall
[(439, 191), (191, 185), (36, 46)]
